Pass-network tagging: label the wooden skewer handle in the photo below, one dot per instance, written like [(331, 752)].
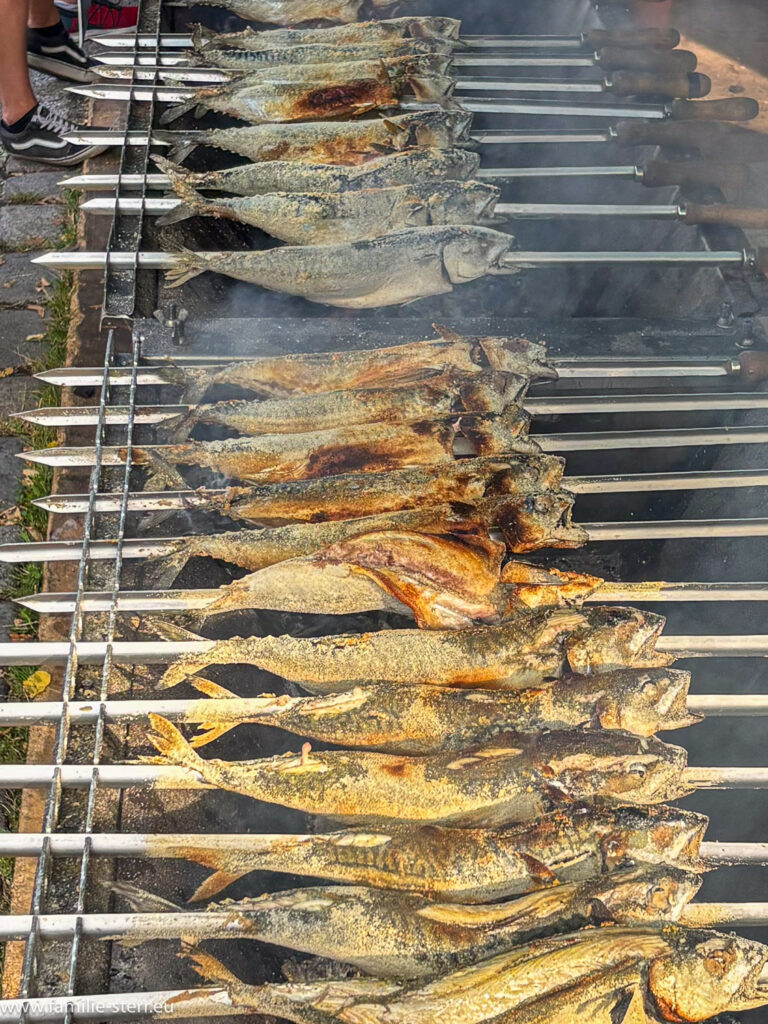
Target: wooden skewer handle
[(740, 108), (664, 61), (648, 83), (754, 217), (753, 367), (709, 138), (636, 38), (694, 173)]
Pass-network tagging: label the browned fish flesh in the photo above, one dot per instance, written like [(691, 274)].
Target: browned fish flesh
[(432, 398), (405, 936), (461, 865), (527, 651), (518, 779), (308, 373), (332, 142), (365, 448), (420, 719), (370, 32)]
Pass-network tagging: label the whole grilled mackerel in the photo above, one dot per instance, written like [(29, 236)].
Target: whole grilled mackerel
[(317, 53), (291, 12), (302, 218), (361, 32), (410, 167), (365, 448), (530, 650), (419, 720), (314, 372), (405, 936), (316, 92), (333, 142), (431, 398), (462, 865), (392, 270)]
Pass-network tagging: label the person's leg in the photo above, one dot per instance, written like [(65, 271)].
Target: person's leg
[(42, 14), (16, 96)]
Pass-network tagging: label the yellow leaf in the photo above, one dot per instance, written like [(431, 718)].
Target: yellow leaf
[(36, 684)]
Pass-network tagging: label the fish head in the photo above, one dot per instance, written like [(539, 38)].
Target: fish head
[(707, 973), (641, 702), (458, 123), (434, 28), (652, 835), (470, 252), (647, 894), (616, 638), (612, 767), (469, 202)]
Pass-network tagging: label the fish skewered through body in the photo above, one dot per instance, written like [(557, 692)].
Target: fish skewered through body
[(317, 92), (465, 865), (404, 936), (530, 650), (334, 142), (432, 398), (411, 167), (235, 59), (371, 447), (585, 977), (392, 270), (294, 12), (516, 780), (322, 218), (309, 373), (420, 720), (364, 32)]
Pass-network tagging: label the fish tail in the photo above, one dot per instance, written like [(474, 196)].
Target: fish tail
[(202, 38), (177, 109), (188, 265), (142, 901), (207, 966), (171, 746), (191, 205)]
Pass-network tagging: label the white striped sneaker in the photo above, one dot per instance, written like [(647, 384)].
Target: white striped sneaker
[(58, 55), (43, 140)]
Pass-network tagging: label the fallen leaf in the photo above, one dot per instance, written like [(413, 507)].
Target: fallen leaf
[(34, 337), (42, 284), (40, 310), (7, 371), (36, 684)]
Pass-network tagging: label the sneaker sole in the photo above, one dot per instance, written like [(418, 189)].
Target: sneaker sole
[(64, 161), (59, 68)]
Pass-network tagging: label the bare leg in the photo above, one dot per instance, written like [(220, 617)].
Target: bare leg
[(42, 14), (16, 96)]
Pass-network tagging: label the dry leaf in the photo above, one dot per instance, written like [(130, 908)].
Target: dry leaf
[(42, 284), (40, 310), (7, 371), (36, 684), (34, 337)]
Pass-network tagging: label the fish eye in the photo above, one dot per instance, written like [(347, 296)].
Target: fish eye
[(650, 689), (638, 769)]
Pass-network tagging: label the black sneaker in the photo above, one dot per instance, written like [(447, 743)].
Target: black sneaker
[(58, 54), (42, 140)]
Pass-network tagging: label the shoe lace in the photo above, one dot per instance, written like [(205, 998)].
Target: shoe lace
[(53, 122)]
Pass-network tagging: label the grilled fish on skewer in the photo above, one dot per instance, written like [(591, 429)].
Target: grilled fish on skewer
[(404, 936), (303, 218), (411, 167), (365, 32), (315, 53), (422, 720), (433, 398), (364, 448), (313, 372), (392, 270), (292, 12), (676, 973), (334, 142), (517, 780), (466, 865), (336, 72), (530, 650)]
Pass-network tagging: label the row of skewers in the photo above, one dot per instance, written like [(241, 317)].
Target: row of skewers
[(400, 197), (506, 850)]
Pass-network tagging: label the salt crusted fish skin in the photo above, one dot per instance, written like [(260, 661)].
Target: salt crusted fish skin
[(327, 218), (405, 936), (419, 720), (464, 865), (333, 142), (394, 269), (238, 59), (527, 651), (292, 12), (518, 779), (383, 30)]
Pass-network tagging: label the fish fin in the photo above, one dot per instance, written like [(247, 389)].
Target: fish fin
[(211, 689), (202, 37), (208, 732), (169, 630), (539, 870), (207, 966), (176, 175), (171, 746), (392, 128), (446, 333), (181, 150), (142, 901), (181, 212), (215, 883), (177, 109), (188, 265), (178, 428)]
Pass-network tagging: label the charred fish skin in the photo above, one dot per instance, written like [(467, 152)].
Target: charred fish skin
[(304, 218), (394, 269), (404, 936), (371, 32), (335, 142), (490, 786), (337, 72), (528, 651), (411, 167)]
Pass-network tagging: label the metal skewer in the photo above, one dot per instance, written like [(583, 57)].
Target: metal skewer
[(122, 415)]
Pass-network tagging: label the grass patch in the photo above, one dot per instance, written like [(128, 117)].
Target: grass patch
[(36, 483)]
